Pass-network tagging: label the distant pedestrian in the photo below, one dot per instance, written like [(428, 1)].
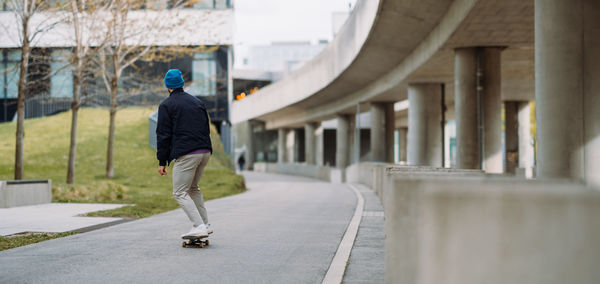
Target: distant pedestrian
[(241, 162), (183, 136)]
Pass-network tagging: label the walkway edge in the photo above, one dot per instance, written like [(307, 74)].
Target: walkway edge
[(335, 273)]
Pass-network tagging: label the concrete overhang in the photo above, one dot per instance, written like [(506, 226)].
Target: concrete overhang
[(406, 42)]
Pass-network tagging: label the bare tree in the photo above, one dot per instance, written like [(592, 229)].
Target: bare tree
[(29, 29), (84, 19), (129, 40), (120, 56)]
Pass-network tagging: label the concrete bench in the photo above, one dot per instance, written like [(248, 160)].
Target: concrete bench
[(442, 229), (25, 192)]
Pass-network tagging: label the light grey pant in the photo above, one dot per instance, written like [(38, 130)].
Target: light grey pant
[(187, 171)]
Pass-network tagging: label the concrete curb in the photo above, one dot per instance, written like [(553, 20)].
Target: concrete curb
[(335, 273)]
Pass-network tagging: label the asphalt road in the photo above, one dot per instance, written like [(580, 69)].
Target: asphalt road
[(283, 230)]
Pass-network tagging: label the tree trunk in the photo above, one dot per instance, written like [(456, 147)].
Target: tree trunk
[(73, 145), (77, 76), (22, 86), (73, 142), (111, 129), (110, 173), (75, 110)]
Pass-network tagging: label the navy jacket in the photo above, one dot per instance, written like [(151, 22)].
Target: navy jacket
[(182, 127)]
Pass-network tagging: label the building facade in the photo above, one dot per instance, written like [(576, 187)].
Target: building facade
[(200, 46)]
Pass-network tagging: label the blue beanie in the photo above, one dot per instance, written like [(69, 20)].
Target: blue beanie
[(173, 79)]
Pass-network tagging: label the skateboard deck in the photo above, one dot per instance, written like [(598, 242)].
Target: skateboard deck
[(195, 241)]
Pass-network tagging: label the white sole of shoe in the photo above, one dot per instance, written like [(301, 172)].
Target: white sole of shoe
[(194, 236)]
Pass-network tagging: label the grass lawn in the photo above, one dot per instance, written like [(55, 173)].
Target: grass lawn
[(136, 179), (29, 238)]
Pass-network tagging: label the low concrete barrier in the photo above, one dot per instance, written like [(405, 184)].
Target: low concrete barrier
[(442, 229), (377, 175), (305, 170), (388, 175), (26, 192), (364, 172)]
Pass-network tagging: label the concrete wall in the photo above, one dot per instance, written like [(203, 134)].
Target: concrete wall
[(388, 174), (22, 193), (297, 169), (377, 176), (490, 230), (363, 172)]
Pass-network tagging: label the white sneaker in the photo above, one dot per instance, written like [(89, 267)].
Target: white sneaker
[(199, 231), (209, 230), (188, 233)]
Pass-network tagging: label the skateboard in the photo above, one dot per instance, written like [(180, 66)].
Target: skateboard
[(195, 242)]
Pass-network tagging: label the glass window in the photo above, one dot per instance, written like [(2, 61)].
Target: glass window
[(2, 71), (152, 4), (204, 74), (6, 6), (61, 82), (200, 4), (10, 73), (221, 4), (204, 4)]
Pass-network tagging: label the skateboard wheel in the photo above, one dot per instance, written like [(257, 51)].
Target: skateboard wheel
[(183, 244), (207, 242), (201, 245)]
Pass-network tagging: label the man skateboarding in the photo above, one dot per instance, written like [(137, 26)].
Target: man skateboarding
[(183, 136)]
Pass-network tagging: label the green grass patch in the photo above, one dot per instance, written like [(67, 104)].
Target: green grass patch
[(28, 238), (136, 179)]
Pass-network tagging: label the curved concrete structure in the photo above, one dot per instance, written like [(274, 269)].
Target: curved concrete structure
[(388, 44), (377, 37), (480, 53), (385, 45)]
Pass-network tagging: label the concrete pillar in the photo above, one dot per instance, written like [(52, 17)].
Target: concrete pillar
[(492, 111), (402, 144), (465, 104), (467, 81), (511, 136), (310, 143), (567, 89), (281, 145), (390, 121), (320, 145), (377, 132), (591, 93), (526, 148), (354, 143), (342, 141), (249, 145), (424, 125), (290, 146)]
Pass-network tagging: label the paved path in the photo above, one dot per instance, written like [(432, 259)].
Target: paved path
[(284, 230), (53, 217)]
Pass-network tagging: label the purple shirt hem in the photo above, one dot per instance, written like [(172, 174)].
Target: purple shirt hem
[(199, 151)]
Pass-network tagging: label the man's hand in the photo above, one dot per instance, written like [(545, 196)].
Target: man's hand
[(162, 171)]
